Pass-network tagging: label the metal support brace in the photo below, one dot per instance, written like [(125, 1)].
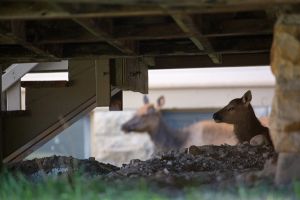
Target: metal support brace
[(13, 97), (14, 73)]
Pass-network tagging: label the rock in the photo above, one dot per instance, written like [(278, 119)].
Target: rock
[(258, 140), (92, 158), (287, 168), (285, 63)]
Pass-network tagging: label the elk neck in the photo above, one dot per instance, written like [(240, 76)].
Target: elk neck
[(249, 126), (167, 138)]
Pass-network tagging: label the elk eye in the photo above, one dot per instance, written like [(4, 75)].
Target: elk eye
[(231, 109)]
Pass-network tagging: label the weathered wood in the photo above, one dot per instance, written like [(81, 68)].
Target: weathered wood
[(240, 27), (227, 45), (16, 113), (16, 33), (171, 62), (94, 29), (1, 128), (45, 84), (116, 100), (130, 74), (48, 116), (97, 30), (187, 24), (41, 10), (102, 74)]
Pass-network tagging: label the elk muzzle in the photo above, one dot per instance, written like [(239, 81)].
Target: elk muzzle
[(217, 117)]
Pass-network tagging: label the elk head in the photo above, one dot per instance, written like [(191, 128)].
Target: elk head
[(146, 119), (237, 110)]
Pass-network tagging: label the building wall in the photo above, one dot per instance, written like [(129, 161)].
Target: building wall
[(191, 95)]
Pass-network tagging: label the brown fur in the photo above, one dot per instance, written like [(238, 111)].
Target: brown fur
[(149, 119), (240, 113)]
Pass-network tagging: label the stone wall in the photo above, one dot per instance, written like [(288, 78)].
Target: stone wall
[(285, 115), (108, 141)]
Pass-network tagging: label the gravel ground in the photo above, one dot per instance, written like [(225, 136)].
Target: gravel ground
[(196, 165)]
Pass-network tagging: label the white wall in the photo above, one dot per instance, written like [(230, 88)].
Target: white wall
[(206, 88)]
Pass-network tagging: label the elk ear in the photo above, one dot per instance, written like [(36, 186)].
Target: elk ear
[(161, 101), (247, 98), (146, 99)]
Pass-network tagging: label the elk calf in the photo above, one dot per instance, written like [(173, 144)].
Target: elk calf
[(240, 113)]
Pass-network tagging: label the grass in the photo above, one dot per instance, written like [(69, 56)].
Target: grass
[(77, 187)]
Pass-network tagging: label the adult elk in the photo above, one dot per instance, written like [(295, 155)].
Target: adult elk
[(149, 119), (247, 127)]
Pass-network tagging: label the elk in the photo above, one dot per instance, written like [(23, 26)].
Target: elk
[(149, 119), (246, 126)]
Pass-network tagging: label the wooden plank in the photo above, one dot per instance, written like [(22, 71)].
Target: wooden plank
[(16, 113), (116, 100), (43, 124), (240, 27), (102, 74), (187, 24), (16, 33), (127, 47), (229, 60), (94, 29), (1, 128), (46, 84), (131, 74), (28, 9), (250, 44)]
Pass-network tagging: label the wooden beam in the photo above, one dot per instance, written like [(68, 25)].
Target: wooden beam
[(30, 9), (173, 2), (45, 84), (38, 128), (1, 129), (96, 29), (229, 60), (102, 77), (17, 33), (226, 28), (187, 24), (222, 45)]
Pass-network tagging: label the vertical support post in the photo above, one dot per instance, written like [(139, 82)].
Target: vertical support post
[(1, 129), (285, 115), (116, 100), (102, 73), (131, 74)]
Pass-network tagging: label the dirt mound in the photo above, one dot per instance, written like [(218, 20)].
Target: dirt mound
[(209, 163), (61, 164), (204, 164)]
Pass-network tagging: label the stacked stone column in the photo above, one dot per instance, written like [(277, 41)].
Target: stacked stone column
[(285, 116)]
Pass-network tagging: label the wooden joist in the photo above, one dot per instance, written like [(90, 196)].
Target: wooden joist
[(97, 30), (40, 9), (16, 32), (45, 84), (187, 24), (170, 62), (94, 29)]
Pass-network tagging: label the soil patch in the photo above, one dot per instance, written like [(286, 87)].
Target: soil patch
[(208, 164)]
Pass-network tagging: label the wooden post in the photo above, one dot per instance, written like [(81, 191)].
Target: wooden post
[(130, 74), (102, 82), (1, 135)]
